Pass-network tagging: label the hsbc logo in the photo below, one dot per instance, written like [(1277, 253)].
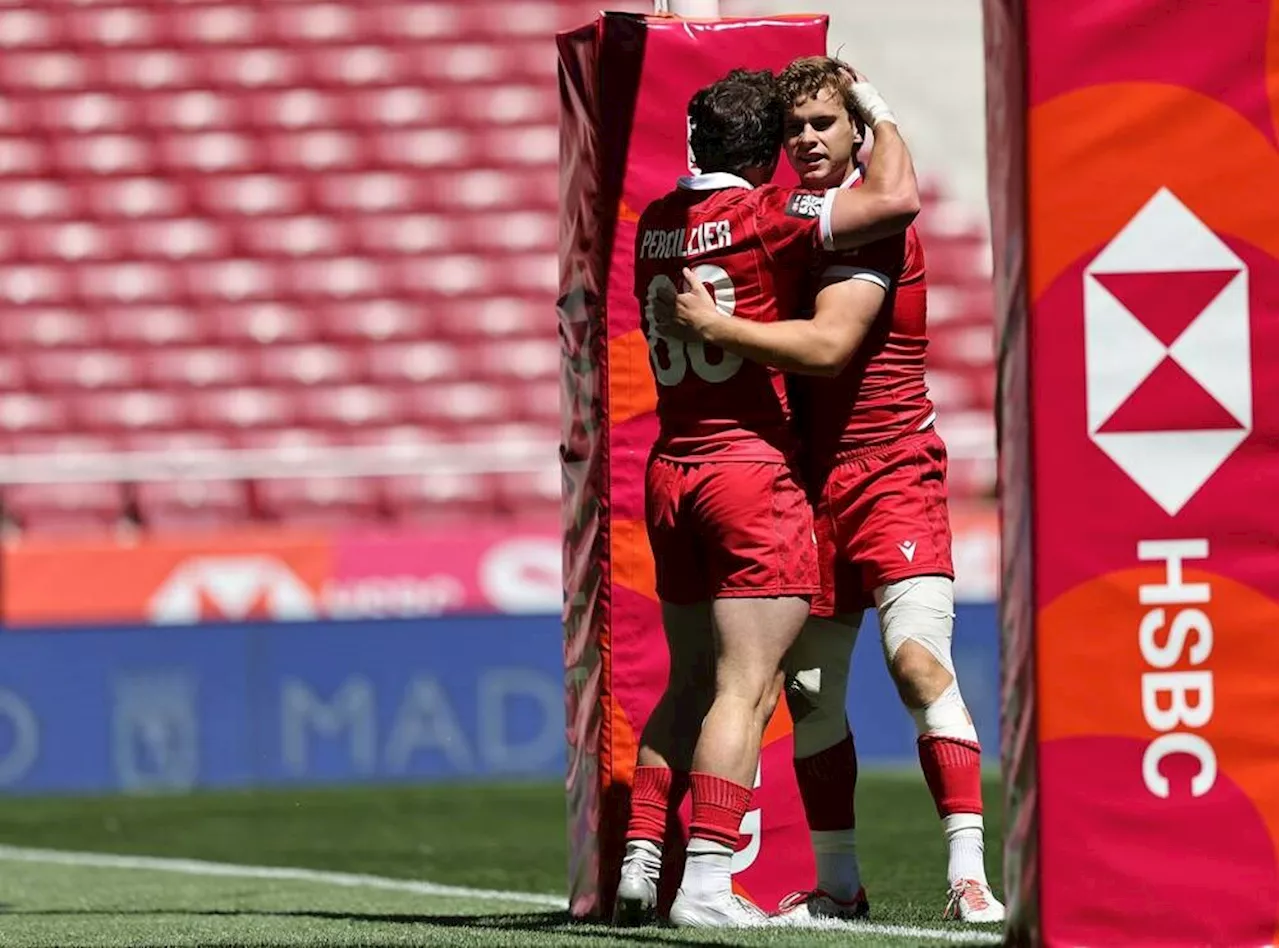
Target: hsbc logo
[(232, 588), (1169, 390), (805, 205)]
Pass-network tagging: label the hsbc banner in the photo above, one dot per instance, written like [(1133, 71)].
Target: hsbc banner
[(1134, 207), (284, 576), (339, 702)]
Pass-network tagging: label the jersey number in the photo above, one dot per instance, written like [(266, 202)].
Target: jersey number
[(672, 358)]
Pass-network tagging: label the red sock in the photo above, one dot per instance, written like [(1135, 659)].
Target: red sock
[(651, 796), (953, 770), (718, 808), (827, 781)]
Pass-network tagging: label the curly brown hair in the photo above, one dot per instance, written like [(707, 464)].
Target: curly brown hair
[(807, 76), (736, 122)]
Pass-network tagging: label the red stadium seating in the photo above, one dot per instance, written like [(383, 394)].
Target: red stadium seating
[(305, 225)]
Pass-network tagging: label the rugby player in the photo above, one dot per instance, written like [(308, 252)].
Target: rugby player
[(728, 520), (878, 470)]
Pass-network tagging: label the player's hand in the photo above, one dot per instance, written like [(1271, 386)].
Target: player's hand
[(868, 102), (663, 310), (687, 314)]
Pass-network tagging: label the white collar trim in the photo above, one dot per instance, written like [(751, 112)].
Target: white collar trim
[(713, 181), (854, 177)]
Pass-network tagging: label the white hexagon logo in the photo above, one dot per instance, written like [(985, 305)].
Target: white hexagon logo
[(1166, 315)]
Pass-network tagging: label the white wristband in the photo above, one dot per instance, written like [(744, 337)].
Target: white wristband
[(871, 104)]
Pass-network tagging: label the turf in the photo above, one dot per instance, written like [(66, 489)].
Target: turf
[(508, 838)]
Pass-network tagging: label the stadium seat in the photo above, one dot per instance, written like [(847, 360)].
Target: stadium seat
[(83, 369), (47, 328), (463, 403), (314, 364), (205, 367), (128, 411), (138, 326), (372, 320), (266, 323), (348, 406), (237, 408), (394, 362)]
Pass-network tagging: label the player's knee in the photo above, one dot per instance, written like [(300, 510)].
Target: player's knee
[(768, 701), (816, 724), (916, 617), (744, 683), (919, 677), (816, 684)]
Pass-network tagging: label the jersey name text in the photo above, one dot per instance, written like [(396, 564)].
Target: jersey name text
[(703, 238)]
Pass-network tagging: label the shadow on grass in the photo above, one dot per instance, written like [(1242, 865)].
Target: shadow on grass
[(558, 922)]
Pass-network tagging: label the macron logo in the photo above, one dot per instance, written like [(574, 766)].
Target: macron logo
[(234, 588), (908, 548)]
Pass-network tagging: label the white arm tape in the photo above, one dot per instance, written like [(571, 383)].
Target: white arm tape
[(824, 219)]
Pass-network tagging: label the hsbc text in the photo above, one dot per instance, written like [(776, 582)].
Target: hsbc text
[(1176, 703)]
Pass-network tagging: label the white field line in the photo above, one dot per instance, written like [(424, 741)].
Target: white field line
[(352, 880), (199, 867)]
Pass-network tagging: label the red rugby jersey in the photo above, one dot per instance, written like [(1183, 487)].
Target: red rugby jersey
[(881, 394), (755, 249)]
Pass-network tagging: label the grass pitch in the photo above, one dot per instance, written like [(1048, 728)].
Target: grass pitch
[(438, 865)]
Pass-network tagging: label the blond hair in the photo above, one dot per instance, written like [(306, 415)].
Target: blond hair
[(807, 76)]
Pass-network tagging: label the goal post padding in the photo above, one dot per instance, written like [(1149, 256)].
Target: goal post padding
[(1133, 188), (625, 81)]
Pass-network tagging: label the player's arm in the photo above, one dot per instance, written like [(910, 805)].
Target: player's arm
[(844, 310), (889, 198)]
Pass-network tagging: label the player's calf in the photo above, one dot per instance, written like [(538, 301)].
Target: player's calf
[(753, 636), (653, 790), (916, 619), (665, 757), (826, 764)]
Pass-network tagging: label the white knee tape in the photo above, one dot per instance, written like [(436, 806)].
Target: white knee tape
[(921, 609), (817, 677), (946, 716)]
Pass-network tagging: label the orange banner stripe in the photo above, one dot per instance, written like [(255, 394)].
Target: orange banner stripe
[(1099, 154), (631, 388)]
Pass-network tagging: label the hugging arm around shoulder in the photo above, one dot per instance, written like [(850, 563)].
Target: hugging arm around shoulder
[(821, 345)]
